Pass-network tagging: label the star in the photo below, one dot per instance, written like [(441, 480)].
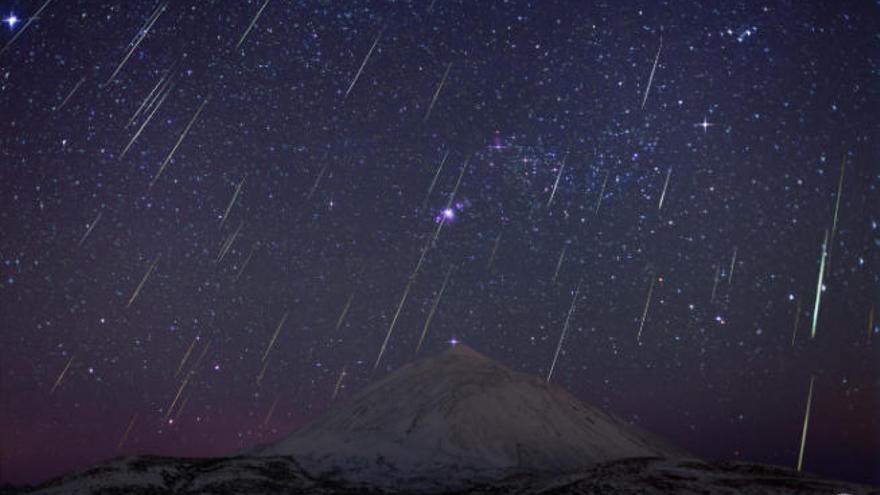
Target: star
[(453, 342), (705, 124), (12, 20)]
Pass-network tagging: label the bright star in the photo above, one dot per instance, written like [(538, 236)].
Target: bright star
[(453, 342), (705, 124), (12, 20)]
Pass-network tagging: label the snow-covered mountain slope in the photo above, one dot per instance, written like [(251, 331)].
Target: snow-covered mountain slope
[(461, 415)]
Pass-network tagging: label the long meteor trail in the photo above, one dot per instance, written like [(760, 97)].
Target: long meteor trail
[(800, 462), (61, 376), (819, 286), (136, 41), (275, 336), (645, 311), (363, 64), (251, 25), (434, 181), (437, 92), (232, 201), (393, 322), (433, 309), (651, 77), (91, 228), (564, 330), (665, 185), (144, 280), (556, 184)]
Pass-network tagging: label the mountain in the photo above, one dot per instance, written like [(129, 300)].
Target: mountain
[(454, 423), (460, 416)]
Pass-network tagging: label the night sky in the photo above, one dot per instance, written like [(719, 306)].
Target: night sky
[(684, 154)]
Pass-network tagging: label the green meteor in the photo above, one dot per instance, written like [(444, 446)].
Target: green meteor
[(819, 285)]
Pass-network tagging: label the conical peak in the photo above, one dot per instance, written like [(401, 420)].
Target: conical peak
[(463, 350)]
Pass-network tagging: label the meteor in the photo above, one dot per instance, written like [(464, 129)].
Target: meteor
[(602, 191), (338, 384), (732, 266), (651, 77), (800, 462), (185, 356), (70, 95), (393, 322), (819, 286), (246, 261), (645, 311), (556, 184), (146, 121), (232, 201), (61, 376), (344, 311), (797, 319), (177, 396), (251, 26), (262, 372), (564, 330), (434, 182), (715, 283), (144, 280), (179, 140), (437, 92), (317, 180), (559, 263), (837, 205), (90, 228), (229, 241), (363, 64), (433, 309), (665, 185), (275, 336), (127, 431), (136, 41), (494, 250), (271, 410)]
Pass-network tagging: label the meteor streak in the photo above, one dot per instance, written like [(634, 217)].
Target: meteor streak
[(437, 92), (229, 241), (146, 121), (559, 263), (246, 261), (665, 185), (732, 266), (645, 311), (494, 250), (819, 286), (601, 192), (318, 180), (271, 410), (363, 64), (651, 77), (177, 396), (434, 182), (69, 95), (136, 41), (185, 356), (556, 184), (61, 376), (149, 100), (836, 206), (338, 384), (262, 372), (800, 462), (797, 319), (179, 140), (232, 201), (127, 431), (564, 330), (144, 280), (275, 336), (433, 309), (715, 283), (251, 25), (393, 322), (344, 311), (90, 228)]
